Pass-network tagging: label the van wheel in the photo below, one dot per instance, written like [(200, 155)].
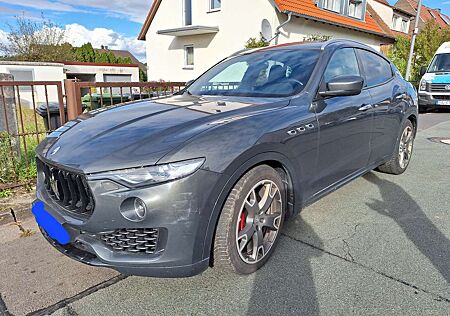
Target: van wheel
[(251, 220), (403, 153)]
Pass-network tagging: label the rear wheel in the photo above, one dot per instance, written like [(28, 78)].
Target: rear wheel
[(250, 223), (402, 156)]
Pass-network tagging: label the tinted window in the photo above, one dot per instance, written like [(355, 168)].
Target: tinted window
[(342, 63), (441, 63), (266, 73), (377, 69)]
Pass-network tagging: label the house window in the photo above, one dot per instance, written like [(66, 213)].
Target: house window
[(404, 26), (333, 5), (355, 8), (395, 19), (352, 8), (189, 56), (187, 12), (215, 5)]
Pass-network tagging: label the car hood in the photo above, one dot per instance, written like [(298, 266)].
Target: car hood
[(141, 133)]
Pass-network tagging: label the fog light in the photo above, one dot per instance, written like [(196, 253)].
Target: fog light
[(133, 209)]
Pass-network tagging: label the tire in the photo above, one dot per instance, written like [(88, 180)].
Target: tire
[(242, 216), (403, 152), (424, 109)]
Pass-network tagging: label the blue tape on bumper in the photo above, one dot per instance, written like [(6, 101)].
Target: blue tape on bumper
[(53, 228)]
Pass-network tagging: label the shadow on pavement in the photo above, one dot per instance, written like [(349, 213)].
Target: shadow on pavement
[(401, 207), (285, 285)]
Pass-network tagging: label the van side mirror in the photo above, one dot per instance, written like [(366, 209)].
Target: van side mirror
[(189, 82), (423, 70), (343, 86)]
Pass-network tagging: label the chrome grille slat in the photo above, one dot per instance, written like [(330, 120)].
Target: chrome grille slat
[(137, 241)]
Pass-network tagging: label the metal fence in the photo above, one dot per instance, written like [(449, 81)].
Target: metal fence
[(29, 110)]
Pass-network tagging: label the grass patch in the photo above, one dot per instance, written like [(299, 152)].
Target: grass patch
[(17, 153)]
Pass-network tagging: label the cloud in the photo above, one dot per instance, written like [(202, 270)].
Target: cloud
[(43, 5), (133, 10), (78, 35)]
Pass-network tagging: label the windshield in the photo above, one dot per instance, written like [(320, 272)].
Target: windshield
[(270, 73), (441, 63)]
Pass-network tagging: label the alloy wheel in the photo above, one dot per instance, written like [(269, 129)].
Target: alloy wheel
[(406, 147), (259, 221)]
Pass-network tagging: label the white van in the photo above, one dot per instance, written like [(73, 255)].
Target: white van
[(434, 88)]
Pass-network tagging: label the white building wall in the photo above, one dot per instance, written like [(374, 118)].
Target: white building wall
[(100, 71), (41, 72), (385, 12), (237, 21)]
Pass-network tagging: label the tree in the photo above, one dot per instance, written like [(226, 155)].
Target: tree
[(428, 41), (30, 40), (254, 43)]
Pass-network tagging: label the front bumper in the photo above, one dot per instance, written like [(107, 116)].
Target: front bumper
[(434, 100), (179, 211)]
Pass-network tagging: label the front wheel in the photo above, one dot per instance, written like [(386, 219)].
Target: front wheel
[(402, 156), (251, 220)]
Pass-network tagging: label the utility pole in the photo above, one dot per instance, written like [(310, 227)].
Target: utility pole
[(413, 41)]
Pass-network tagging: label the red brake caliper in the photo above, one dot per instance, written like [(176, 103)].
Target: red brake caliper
[(242, 221)]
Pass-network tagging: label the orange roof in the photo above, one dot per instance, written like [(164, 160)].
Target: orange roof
[(304, 8), (307, 8)]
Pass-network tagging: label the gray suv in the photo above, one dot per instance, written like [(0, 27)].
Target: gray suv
[(207, 177)]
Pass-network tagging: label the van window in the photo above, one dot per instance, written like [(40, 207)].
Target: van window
[(377, 69), (441, 63)]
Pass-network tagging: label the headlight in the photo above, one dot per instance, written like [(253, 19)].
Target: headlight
[(154, 174), (423, 85)]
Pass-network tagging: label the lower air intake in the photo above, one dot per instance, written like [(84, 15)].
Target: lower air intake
[(137, 241)]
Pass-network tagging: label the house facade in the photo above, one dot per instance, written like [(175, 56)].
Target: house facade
[(399, 21), (186, 37), (426, 14)]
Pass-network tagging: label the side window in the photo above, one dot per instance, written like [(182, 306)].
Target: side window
[(378, 70), (342, 63)]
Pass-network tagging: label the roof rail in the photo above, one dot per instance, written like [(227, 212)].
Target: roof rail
[(337, 40)]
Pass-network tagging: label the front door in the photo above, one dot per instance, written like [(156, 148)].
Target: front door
[(345, 126)]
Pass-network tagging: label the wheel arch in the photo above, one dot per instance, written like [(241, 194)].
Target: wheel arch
[(234, 172), (413, 119)]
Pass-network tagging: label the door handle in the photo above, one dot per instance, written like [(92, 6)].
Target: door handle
[(366, 107)]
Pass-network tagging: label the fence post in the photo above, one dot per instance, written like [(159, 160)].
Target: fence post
[(73, 99), (8, 118)]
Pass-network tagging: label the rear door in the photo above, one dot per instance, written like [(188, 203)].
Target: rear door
[(387, 94), (345, 124)]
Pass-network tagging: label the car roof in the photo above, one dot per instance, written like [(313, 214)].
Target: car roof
[(318, 45)]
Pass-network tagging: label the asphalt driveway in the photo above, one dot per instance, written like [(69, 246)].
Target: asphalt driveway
[(378, 246)]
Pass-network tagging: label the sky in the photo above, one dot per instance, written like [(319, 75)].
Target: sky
[(114, 23)]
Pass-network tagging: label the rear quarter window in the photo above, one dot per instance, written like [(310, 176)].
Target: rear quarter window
[(377, 69)]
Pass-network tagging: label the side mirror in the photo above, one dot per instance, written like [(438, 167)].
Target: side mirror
[(343, 86), (423, 70), (189, 82)]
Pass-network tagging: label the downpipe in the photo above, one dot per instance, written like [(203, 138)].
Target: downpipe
[(279, 27)]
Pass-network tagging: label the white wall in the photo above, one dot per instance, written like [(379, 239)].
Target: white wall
[(385, 12), (41, 72), (100, 71), (237, 21)]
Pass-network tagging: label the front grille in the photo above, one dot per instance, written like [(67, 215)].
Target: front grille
[(142, 240), (439, 87), (442, 97), (70, 190)]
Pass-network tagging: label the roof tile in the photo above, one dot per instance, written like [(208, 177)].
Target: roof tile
[(310, 9)]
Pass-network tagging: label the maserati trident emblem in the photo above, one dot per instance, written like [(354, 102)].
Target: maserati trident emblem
[(55, 150), (54, 185)]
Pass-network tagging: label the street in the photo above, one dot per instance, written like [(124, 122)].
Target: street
[(378, 246)]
